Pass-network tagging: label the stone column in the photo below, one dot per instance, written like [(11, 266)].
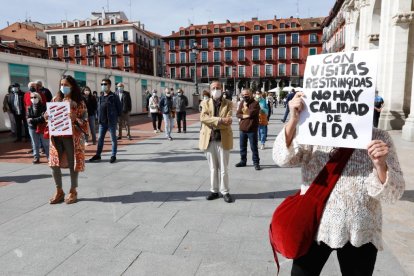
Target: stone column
[(365, 21), (408, 128), (393, 72)]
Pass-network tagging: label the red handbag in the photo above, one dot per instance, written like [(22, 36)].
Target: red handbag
[(296, 220)]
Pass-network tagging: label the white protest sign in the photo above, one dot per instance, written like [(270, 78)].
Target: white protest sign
[(59, 118), (339, 99)]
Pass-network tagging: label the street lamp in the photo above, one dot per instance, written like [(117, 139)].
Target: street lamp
[(93, 46), (234, 81), (194, 50)]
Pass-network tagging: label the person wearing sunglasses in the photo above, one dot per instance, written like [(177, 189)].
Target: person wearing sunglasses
[(109, 109)]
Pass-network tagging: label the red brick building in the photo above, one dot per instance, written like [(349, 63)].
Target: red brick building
[(106, 40), (22, 47), (253, 53)]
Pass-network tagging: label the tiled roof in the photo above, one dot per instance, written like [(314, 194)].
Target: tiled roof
[(20, 42), (332, 14), (302, 24), (94, 23)]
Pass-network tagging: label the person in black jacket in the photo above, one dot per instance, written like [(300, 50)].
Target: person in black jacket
[(182, 103), (43, 90), (168, 110), (37, 124), (125, 99), (91, 105), (17, 107)]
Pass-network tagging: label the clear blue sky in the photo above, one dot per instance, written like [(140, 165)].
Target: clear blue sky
[(165, 15)]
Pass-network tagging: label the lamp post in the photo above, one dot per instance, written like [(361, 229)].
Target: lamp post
[(194, 50), (234, 80), (92, 46)]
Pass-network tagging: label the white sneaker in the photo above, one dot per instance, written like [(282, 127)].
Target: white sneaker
[(155, 131), (158, 131), (262, 147)]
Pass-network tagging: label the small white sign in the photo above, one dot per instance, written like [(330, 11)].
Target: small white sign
[(339, 99), (59, 118)]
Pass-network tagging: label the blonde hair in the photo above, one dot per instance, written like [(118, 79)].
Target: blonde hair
[(37, 95)]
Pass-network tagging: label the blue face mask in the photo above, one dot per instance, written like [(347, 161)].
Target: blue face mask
[(65, 90), (120, 89), (103, 88)]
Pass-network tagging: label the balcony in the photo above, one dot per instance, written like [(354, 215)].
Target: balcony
[(77, 42), (295, 57), (78, 55), (114, 66), (281, 58), (281, 43), (269, 58), (101, 54), (126, 53)]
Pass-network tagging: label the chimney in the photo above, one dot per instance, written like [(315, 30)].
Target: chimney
[(103, 12), (143, 26), (227, 21), (210, 22), (139, 24), (275, 16), (172, 32), (254, 18)]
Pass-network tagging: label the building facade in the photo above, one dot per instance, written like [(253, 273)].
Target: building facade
[(29, 31), (387, 26), (106, 40), (23, 47), (257, 53)]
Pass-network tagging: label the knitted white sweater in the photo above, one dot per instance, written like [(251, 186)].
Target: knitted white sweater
[(353, 211)]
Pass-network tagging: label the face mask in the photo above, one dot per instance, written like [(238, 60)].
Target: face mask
[(34, 101), (224, 96), (168, 95), (15, 89), (87, 92), (216, 94), (120, 89), (65, 90), (205, 98), (179, 94), (103, 88), (246, 98), (257, 97), (154, 94), (32, 89)]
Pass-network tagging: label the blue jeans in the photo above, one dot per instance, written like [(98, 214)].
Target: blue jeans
[(103, 128), (252, 137), (262, 134), (286, 113), (38, 139), (169, 124), (91, 121)]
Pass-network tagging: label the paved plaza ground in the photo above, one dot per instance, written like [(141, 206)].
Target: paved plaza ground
[(147, 213)]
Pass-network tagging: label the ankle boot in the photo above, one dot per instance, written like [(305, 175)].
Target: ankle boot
[(72, 196), (58, 197)]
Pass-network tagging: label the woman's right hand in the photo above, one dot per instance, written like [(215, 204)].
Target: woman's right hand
[(296, 106)]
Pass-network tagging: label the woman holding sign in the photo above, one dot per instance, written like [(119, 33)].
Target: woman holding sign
[(68, 151), (351, 222)]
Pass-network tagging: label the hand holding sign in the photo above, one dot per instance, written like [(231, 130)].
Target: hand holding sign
[(296, 106)]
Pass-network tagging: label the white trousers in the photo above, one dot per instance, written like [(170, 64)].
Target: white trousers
[(218, 161)]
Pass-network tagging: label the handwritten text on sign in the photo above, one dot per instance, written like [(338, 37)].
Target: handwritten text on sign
[(59, 118), (339, 98)]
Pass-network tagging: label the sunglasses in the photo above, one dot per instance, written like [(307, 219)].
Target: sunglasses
[(104, 84), (32, 97)]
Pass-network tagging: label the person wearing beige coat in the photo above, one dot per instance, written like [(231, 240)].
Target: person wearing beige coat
[(216, 140)]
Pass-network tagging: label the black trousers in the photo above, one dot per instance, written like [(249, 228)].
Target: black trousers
[(156, 116), (21, 122), (182, 116), (354, 261)]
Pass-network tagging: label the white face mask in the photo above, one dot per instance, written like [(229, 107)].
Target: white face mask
[(34, 101), (87, 92), (206, 98), (216, 94), (168, 95)]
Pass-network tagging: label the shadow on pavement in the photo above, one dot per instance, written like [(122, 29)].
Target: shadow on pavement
[(24, 178), (171, 159)]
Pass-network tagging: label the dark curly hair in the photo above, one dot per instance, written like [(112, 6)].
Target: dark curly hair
[(75, 93)]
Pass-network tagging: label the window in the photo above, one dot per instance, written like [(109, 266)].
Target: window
[(269, 26), (269, 54), (113, 61), (204, 57), (65, 52), (204, 43), (313, 51), (242, 71), (182, 32), (313, 38), (191, 43), (125, 35), (281, 39), (90, 61), (295, 69), (217, 42), (216, 71), (53, 40), (182, 72), (112, 21), (172, 73), (172, 58), (172, 44), (295, 52), (100, 37), (241, 40), (182, 44), (256, 54), (126, 48), (192, 72), (216, 56), (204, 71), (216, 30), (78, 61), (227, 71), (88, 23), (101, 49), (228, 29), (282, 69), (192, 32), (65, 40), (293, 25), (126, 62), (192, 57), (282, 25), (77, 52), (182, 57), (295, 38), (102, 62), (113, 49), (203, 31), (227, 55), (112, 36), (282, 53), (256, 71), (241, 55), (242, 28), (76, 39), (54, 52), (269, 70), (256, 27), (88, 39), (269, 39), (227, 42), (256, 40)]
